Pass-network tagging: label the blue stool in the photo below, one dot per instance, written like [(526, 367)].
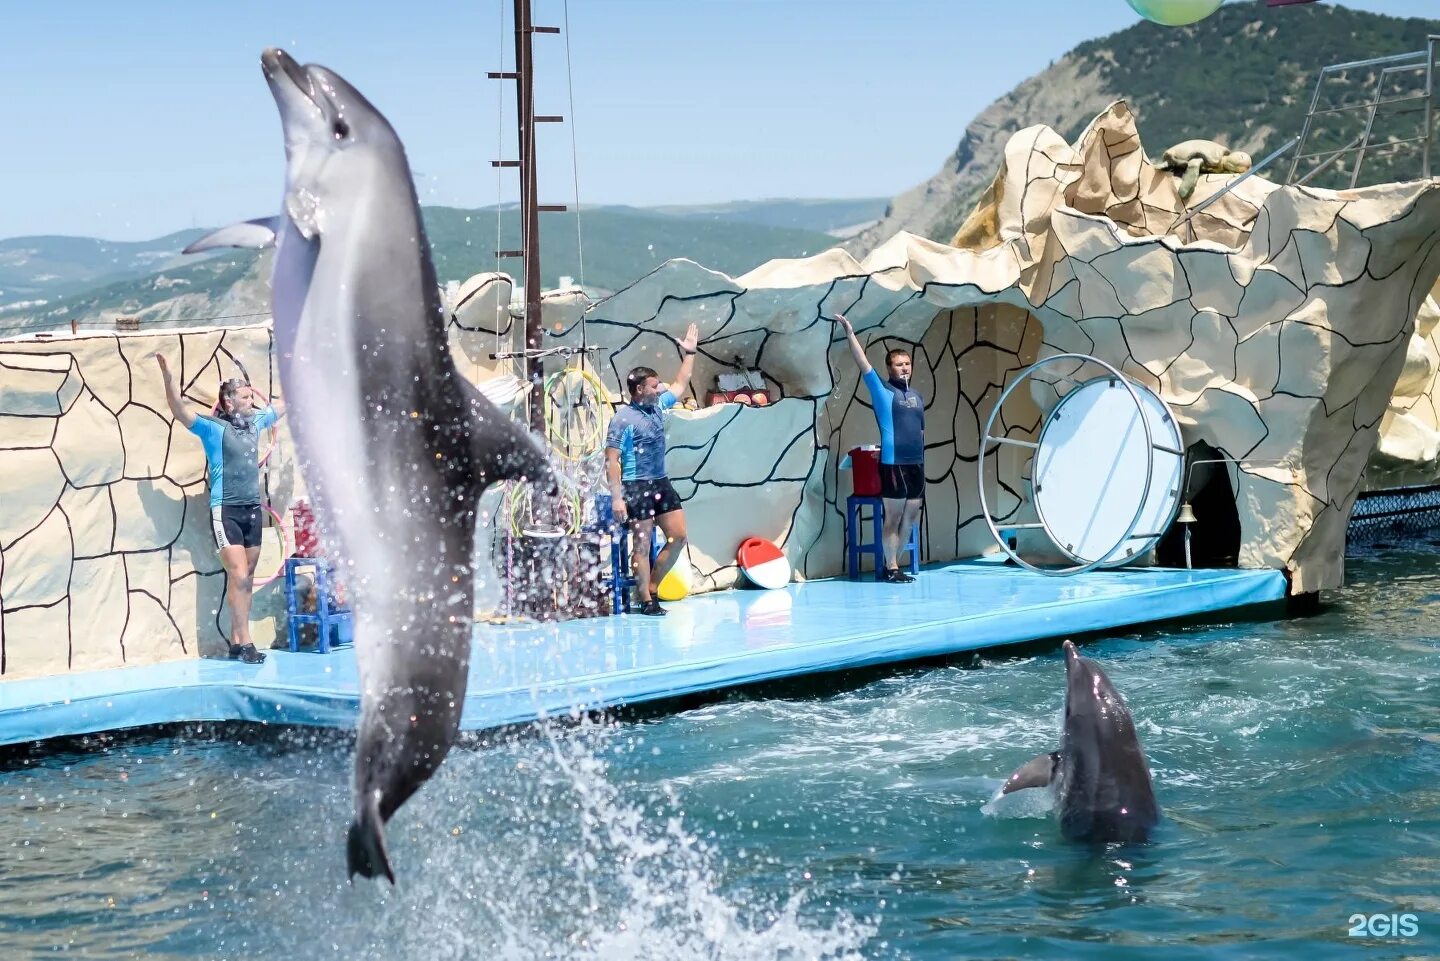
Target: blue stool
[(622, 578), (326, 614), (854, 537)]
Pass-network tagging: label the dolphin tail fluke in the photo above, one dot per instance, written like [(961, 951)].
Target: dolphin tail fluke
[(365, 846)]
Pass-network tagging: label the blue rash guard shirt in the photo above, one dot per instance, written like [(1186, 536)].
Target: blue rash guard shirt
[(638, 433), (231, 453), (900, 413)]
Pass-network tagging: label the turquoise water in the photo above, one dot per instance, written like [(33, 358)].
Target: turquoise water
[(1296, 763)]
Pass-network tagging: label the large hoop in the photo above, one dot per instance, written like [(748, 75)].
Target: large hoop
[(1103, 558)]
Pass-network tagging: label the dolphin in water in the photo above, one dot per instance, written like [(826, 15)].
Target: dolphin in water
[(394, 444), (1099, 775)]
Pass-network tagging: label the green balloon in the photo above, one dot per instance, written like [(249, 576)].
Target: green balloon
[(1174, 13)]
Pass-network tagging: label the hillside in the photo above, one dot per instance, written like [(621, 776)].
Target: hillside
[(620, 246), (38, 267), (1244, 76)]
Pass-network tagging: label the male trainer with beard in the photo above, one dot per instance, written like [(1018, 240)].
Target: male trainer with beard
[(640, 488), (900, 414)]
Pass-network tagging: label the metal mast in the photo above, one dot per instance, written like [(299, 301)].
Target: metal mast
[(530, 207)]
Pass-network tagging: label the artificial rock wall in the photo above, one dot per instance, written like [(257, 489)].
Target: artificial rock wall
[(1275, 323), (106, 553)]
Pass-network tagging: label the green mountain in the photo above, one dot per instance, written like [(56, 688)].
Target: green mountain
[(37, 267), (829, 216), (1244, 76), (619, 246)]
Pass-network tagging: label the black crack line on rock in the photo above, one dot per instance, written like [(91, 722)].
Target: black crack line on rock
[(114, 515), (1400, 263), (666, 299), (55, 507), (213, 359), (730, 314), (34, 607), (129, 371), (165, 609), (125, 567), (741, 485), (69, 588), (1418, 290)]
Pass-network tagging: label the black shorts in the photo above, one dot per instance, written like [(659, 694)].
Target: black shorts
[(236, 525), (645, 499), (902, 481)]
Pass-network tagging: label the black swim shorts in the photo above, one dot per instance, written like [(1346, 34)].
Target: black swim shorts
[(645, 499), (902, 481), (236, 525)]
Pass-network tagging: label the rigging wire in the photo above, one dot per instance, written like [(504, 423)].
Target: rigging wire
[(574, 149)]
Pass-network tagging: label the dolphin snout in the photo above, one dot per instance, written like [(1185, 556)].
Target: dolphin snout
[(1071, 652), (275, 63)]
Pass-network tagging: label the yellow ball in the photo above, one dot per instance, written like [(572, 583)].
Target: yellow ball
[(1174, 13), (674, 586)]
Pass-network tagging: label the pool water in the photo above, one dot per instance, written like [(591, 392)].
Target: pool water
[(1297, 764)]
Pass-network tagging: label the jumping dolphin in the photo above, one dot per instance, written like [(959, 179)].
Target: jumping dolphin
[(1101, 781), (394, 444)]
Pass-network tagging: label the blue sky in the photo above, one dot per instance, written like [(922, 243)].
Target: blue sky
[(127, 120)]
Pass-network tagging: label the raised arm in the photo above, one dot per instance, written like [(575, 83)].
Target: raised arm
[(681, 383), (172, 394), (856, 350)]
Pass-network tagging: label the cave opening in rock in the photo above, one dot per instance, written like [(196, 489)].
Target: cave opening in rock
[(1215, 533)]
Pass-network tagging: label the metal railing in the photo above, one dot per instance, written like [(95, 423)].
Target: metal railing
[(1390, 70)]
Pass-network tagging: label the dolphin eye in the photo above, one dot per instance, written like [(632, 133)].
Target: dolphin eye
[(341, 129)]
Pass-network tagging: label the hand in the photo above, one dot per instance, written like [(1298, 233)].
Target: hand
[(844, 322), (690, 340), (618, 509), (164, 367)]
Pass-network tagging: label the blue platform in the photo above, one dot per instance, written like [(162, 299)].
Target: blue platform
[(523, 671)]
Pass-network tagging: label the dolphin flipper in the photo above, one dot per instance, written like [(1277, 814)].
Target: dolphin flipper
[(365, 848), (251, 234), (1036, 772)]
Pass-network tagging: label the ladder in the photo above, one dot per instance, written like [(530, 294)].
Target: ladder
[(1389, 100), (1399, 113)]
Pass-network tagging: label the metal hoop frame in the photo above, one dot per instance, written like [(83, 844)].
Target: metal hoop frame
[(986, 438)]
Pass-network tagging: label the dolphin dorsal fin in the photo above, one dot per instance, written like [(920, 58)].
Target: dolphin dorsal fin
[(253, 234), (1034, 773)]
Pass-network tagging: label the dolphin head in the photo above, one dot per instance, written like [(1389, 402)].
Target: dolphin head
[(333, 135), (1091, 701)]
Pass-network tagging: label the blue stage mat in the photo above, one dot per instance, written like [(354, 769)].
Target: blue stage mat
[(523, 671)]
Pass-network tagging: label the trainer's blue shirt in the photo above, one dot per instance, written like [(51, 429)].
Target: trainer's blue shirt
[(638, 433), (901, 415), (231, 452)]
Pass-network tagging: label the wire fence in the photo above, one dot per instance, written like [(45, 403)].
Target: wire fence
[(1397, 514)]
